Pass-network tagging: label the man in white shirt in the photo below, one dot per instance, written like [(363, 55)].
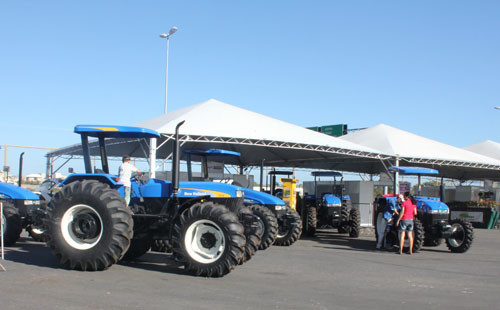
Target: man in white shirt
[(125, 173)]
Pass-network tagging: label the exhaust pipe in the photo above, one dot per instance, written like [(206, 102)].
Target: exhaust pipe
[(176, 161), (20, 169)]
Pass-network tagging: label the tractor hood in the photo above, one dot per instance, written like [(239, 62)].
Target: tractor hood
[(331, 200), (15, 192), (431, 205), (212, 189), (255, 197)]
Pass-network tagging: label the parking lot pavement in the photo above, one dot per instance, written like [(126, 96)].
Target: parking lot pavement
[(328, 272)]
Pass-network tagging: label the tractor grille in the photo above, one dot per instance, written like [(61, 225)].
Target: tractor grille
[(434, 219)]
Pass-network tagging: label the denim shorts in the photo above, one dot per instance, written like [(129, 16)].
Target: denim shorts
[(406, 225)]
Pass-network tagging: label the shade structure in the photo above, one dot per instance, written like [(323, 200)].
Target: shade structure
[(411, 149), (260, 139), (487, 148)]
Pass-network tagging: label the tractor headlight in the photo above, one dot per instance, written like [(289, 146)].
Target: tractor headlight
[(240, 193), (440, 211), (278, 208), (334, 205), (31, 202)]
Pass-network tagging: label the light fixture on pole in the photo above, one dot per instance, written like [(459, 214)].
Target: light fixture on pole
[(498, 108), (167, 36)]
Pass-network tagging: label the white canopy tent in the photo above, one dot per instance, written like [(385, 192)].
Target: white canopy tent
[(260, 140), (487, 148), (411, 149)]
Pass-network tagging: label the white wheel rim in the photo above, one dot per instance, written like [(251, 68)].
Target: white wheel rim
[(73, 226), (204, 241), (457, 229), (37, 231)]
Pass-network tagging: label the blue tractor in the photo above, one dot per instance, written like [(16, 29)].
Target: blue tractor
[(21, 209), (329, 206), (279, 224), (90, 227), (433, 223)]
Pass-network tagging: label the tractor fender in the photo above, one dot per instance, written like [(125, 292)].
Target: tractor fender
[(101, 177)]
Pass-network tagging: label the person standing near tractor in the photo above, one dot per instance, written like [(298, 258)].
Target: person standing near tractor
[(405, 221), (125, 173), (391, 208)]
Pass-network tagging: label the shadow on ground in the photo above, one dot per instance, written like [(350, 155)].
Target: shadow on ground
[(38, 254)]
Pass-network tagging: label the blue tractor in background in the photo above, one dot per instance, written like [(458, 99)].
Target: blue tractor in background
[(90, 227), (21, 209), (433, 223), (329, 206), (280, 225)]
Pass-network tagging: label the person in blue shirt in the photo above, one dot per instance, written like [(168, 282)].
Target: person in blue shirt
[(392, 207)]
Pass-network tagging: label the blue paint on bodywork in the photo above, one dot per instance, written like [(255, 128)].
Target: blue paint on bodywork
[(9, 191), (256, 197)]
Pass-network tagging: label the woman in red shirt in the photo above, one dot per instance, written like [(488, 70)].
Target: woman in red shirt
[(405, 221)]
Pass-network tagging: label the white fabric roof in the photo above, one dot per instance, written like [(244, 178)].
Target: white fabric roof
[(214, 124), (487, 148), (452, 162)]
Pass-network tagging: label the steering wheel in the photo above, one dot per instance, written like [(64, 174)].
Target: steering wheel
[(138, 177)]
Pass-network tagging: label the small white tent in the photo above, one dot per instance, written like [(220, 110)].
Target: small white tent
[(411, 149), (487, 148)]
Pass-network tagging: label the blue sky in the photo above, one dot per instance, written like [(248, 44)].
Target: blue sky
[(428, 67)]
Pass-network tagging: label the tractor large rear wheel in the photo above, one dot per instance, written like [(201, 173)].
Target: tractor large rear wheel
[(269, 225), (354, 223), (462, 236), (290, 230), (208, 240), (344, 225), (89, 227), (11, 222), (310, 221)]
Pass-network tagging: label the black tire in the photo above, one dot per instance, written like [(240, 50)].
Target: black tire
[(290, 233), (89, 228), (137, 248), (344, 220), (310, 221), (462, 237), (12, 225), (162, 245), (354, 223), (269, 225), (418, 235), (253, 232), (216, 239)]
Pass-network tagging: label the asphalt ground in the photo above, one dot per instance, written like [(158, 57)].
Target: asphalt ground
[(331, 271)]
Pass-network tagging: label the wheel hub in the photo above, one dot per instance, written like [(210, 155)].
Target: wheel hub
[(85, 226), (208, 240)]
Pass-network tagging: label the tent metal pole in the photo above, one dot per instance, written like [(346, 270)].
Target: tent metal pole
[(396, 177), (152, 158)]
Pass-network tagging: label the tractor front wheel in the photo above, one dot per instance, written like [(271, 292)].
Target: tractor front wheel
[(11, 224), (208, 240), (310, 221), (269, 225), (290, 230), (462, 236), (89, 227)]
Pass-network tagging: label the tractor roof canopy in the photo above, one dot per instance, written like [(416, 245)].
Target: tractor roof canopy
[(326, 174), (212, 152), (112, 131), (413, 170)]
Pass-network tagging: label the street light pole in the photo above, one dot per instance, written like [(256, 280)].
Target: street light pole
[(167, 36)]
